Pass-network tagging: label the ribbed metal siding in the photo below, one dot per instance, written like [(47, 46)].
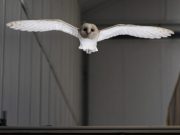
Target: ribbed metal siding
[(28, 91)]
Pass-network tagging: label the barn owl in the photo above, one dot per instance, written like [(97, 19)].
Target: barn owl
[(89, 34)]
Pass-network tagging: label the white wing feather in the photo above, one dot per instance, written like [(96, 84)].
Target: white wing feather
[(43, 25), (134, 30)]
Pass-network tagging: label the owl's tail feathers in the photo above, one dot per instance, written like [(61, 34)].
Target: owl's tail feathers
[(88, 50)]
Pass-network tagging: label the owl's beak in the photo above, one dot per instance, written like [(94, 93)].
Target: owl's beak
[(87, 33)]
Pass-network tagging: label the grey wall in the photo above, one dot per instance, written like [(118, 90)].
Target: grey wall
[(127, 11), (131, 81), (28, 91)]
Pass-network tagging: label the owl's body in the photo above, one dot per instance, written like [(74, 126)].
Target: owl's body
[(88, 45), (88, 38), (89, 34)]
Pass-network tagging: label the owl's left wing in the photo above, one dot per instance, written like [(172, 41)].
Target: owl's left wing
[(134, 30), (44, 25)]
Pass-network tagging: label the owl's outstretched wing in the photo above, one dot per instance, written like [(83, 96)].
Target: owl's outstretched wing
[(134, 30), (43, 25)]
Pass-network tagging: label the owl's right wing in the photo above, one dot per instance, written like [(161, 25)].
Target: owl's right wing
[(44, 25), (134, 30)]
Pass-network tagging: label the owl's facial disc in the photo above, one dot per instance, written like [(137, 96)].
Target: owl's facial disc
[(89, 31)]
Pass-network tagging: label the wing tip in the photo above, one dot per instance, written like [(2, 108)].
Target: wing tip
[(12, 25), (172, 32), (169, 33)]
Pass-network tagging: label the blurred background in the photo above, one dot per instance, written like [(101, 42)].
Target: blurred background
[(129, 82)]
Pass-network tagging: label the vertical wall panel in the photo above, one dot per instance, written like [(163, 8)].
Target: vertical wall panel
[(66, 50), (45, 68), (29, 92), (132, 84), (106, 91), (76, 66), (172, 80), (58, 48), (53, 96), (73, 51), (36, 71), (65, 61), (76, 87), (55, 61), (2, 22), (11, 67), (167, 77), (69, 59), (143, 92), (25, 77)]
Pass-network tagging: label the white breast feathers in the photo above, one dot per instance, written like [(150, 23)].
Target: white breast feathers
[(88, 45)]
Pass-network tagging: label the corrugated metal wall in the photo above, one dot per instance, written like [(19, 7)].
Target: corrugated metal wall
[(28, 90)]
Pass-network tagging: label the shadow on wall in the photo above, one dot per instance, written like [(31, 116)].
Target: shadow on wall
[(173, 117)]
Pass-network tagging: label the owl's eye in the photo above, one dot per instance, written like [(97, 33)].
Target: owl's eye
[(85, 29), (92, 30)]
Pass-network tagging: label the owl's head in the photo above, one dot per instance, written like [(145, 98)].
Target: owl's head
[(89, 30)]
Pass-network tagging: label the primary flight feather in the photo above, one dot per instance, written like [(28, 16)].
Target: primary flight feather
[(89, 34)]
